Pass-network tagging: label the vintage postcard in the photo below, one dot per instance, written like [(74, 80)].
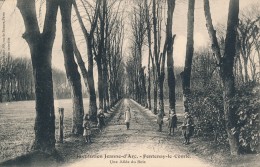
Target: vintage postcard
[(129, 83)]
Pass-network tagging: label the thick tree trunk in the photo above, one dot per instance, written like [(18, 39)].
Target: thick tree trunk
[(71, 67), (40, 45), (155, 96), (100, 55), (226, 70), (105, 79), (100, 83), (228, 77), (104, 61), (170, 63), (91, 83), (88, 80), (161, 77), (149, 85), (143, 90), (155, 64), (111, 94), (160, 84), (150, 54), (88, 74), (189, 55)]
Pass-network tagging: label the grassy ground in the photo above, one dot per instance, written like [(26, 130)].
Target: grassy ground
[(17, 125), (17, 134)]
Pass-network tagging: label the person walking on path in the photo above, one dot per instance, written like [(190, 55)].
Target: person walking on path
[(172, 122), (87, 129), (127, 117), (187, 127), (101, 119)]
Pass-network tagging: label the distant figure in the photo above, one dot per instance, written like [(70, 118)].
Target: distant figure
[(87, 129), (172, 122), (127, 118), (101, 119), (187, 127), (160, 120)]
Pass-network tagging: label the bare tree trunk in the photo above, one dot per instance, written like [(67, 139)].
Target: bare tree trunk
[(226, 70), (246, 69), (150, 54), (40, 45), (143, 90), (155, 89), (160, 83), (186, 75), (149, 83), (155, 55), (105, 79), (71, 67), (170, 63), (228, 78), (100, 84), (100, 55), (88, 74), (88, 80), (105, 64)]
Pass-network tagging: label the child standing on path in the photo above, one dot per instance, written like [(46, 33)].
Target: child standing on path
[(101, 119), (172, 122), (127, 117), (187, 127), (87, 128)]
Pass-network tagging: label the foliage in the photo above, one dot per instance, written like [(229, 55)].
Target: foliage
[(17, 83), (248, 106), (207, 109)]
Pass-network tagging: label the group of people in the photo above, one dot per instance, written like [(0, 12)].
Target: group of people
[(87, 125), (187, 126)]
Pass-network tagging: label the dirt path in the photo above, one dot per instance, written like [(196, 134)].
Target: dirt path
[(141, 145)]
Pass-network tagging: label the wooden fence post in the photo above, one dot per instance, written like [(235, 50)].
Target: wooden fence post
[(61, 114)]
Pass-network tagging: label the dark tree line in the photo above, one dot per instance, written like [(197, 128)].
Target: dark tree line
[(17, 82)]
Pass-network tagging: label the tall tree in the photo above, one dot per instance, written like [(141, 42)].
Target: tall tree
[(139, 28), (186, 74), (71, 67), (170, 63), (41, 45), (148, 30), (115, 56), (99, 54), (226, 63), (88, 73), (156, 55)]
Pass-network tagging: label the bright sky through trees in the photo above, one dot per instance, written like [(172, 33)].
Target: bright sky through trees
[(14, 28)]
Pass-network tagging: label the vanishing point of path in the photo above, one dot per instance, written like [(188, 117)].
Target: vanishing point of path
[(141, 145)]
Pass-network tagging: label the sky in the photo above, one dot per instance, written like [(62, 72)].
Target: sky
[(12, 28)]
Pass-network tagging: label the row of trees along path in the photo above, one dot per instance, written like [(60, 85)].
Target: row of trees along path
[(41, 43), (141, 139)]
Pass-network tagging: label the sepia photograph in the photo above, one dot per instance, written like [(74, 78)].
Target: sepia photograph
[(129, 83)]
